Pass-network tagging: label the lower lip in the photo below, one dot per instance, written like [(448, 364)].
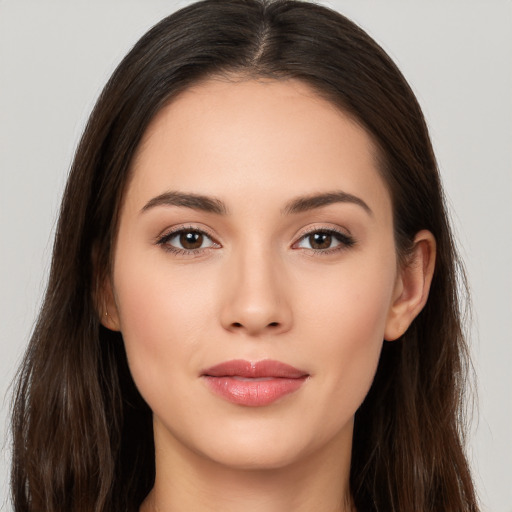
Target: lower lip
[(253, 392)]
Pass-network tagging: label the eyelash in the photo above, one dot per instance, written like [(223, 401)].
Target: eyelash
[(164, 241), (345, 241)]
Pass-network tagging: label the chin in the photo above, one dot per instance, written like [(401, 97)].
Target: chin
[(272, 446), (257, 457)]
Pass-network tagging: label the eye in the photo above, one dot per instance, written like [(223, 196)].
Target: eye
[(186, 240), (325, 240)]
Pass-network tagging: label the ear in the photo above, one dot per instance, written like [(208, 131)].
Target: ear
[(412, 285), (104, 298), (106, 305)]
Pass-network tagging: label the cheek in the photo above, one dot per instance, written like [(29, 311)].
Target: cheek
[(163, 317), (346, 316), (352, 300)]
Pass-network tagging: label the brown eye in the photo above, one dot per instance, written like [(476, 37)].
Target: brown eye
[(325, 241), (186, 240), (191, 240), (320, 240)]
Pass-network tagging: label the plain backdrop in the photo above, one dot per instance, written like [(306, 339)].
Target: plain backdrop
[(55, 55)]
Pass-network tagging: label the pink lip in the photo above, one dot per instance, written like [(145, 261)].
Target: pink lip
[(253, 384)]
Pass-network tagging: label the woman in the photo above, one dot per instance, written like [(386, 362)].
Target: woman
[(254, 207)]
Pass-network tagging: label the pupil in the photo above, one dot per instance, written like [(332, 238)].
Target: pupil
[(191, 240), (320, 241)]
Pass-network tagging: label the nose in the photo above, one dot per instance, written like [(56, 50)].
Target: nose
[(255, 295)]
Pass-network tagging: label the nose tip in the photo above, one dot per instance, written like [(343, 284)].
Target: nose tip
[(255, 300)]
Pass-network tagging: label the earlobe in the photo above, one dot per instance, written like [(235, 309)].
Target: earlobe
[(412, 286), (106, 306), (109, 320), (103, 296), (107, 310)]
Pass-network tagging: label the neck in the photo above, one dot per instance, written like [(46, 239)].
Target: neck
[(188, 481)]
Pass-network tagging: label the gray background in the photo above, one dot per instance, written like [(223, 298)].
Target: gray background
[(55, 55)]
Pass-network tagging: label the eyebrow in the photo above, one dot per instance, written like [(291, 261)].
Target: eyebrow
[(306, 203), (184, 200), (214, 205)]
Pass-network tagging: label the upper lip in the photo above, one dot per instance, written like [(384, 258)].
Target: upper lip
[(259, 369)]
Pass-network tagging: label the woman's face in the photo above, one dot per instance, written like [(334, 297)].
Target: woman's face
[(254, 272)]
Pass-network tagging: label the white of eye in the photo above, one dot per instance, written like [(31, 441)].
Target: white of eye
[(331, 237), (190, 240)]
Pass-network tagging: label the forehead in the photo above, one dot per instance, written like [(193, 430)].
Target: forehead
[(252, 138)]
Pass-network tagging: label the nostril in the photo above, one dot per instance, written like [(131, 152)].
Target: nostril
[(238, 324)]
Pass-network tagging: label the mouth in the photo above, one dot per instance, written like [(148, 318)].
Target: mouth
[(253, 384)]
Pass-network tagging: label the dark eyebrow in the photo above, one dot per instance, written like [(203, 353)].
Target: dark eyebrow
[(184, 200), (303, 204)]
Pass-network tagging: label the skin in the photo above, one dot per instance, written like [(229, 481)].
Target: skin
[(257, 290)]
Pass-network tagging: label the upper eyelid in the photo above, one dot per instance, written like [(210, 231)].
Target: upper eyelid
[(163, 240), (326, 229), (170, 232), (347, 239)]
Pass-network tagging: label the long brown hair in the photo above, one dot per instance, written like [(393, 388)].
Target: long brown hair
[(82, 434)]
